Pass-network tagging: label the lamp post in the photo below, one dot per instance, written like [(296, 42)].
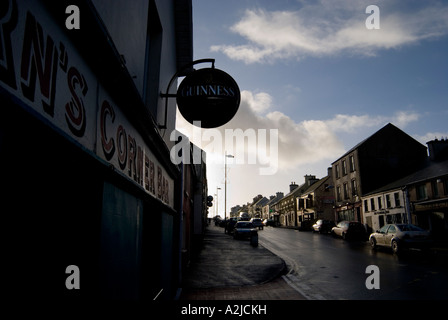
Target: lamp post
[(217, 196), (225, 185)]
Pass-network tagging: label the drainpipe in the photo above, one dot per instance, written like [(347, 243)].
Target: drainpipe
[(181, 228), (407, 204)]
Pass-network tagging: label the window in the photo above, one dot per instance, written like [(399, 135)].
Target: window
[(380, 203), (435, 188), (344, 168), (397, 199), (151, 87), (337, 171), (352, 163), (345, 191), (388, 203), (393, 218), (372, 204), (354, 188), (383, 229), (338, 193), (366, 206), (421, 192), (392, 229)]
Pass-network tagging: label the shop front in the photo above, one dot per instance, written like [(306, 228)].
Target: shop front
[(348, 212), (432, 215), (86, 179)]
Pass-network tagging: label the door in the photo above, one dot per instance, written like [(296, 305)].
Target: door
[(120, 243), (381, 220), (390, 234), (380, 238)]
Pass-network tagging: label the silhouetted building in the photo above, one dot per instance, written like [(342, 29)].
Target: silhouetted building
[(87, 178), (317, 201), (420, 198), (383, 157)]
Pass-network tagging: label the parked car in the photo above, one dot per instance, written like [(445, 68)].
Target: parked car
[(229, 225), (306, 225), (400, 236), (244, 216), (269, 222), (349, 230), (244, 229), (323, 226), (258, 223), (218, 220)]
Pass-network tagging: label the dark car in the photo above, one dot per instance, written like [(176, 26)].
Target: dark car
[(230, 224), (349, 230), (269, 222), (244, 230), (323, 226), (258, 223)]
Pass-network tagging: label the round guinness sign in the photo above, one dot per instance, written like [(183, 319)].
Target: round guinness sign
[(210, 96)]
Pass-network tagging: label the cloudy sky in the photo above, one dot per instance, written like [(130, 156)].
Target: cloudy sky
[(312, 72)]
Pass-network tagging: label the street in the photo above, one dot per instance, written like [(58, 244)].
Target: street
[(323, 267)]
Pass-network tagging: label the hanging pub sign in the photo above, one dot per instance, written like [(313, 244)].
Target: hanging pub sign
[(210, 96)]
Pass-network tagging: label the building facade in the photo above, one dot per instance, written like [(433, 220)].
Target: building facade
[(268, 211), (89, 173), (428, 200), (317, 201), (383, 157), (420, 198), (254, 208), (286, 208), (383, 207)]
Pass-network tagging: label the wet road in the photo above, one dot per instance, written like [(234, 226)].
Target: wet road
[(323, 267)]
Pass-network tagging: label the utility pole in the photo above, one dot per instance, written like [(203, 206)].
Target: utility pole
[(225, 185)]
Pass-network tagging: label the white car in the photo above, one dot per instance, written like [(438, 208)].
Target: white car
[(400, 236)]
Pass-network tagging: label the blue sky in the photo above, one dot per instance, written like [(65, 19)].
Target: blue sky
[(313, 71)]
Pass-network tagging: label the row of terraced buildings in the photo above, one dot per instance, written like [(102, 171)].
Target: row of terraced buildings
[(387, 178)]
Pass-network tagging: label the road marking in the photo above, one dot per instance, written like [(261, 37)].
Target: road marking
[(157, 295), (301, 288), (290, 278)]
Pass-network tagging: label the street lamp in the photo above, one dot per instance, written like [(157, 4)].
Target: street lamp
[(217, 196), (225, 185)]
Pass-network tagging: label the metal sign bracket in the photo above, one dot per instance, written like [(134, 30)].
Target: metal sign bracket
[(167, 95)]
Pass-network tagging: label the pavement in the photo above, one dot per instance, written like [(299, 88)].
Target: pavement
[(229, 269)]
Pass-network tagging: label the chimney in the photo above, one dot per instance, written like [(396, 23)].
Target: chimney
[(438, 149), (280, 195), (310, 179), (292, 186), (329, 171)]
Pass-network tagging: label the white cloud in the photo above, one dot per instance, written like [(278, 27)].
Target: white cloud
[(431, 136), (402, 118), (299, 143), (330, 27), (260, 102), (306, 147), (351, 123)]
